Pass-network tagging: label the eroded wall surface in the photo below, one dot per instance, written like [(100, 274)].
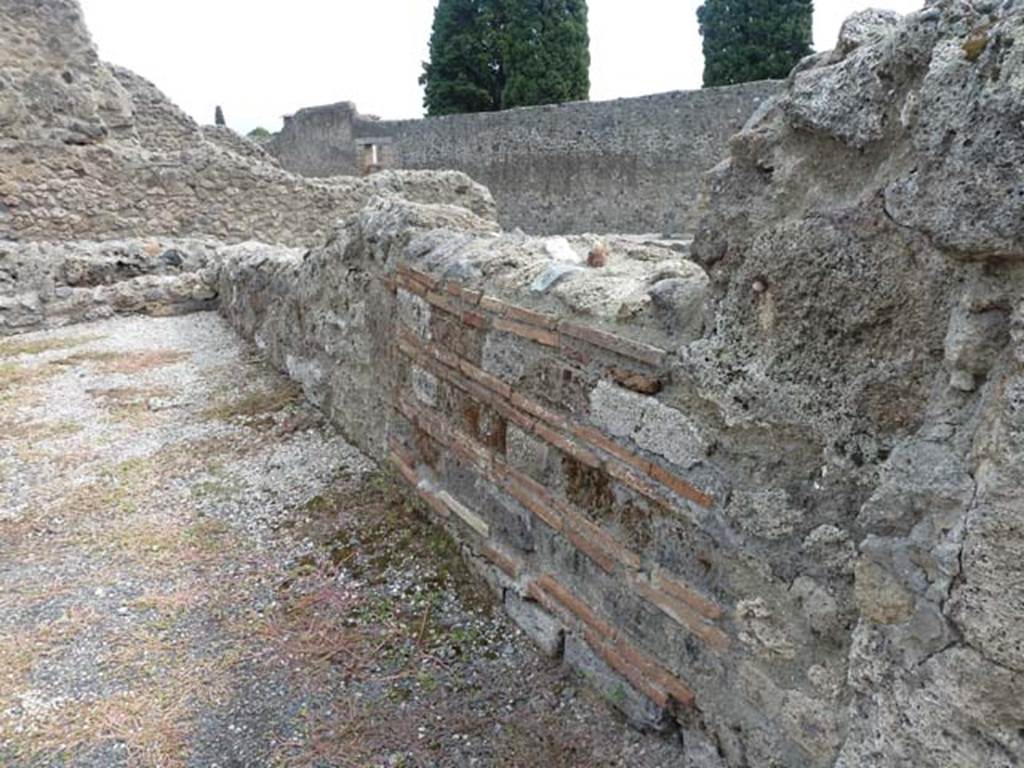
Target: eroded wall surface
[(90, 151), (632, 165), (774, 502), (766, 495)]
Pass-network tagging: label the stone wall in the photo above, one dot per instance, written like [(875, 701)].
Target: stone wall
[(632, 165), (90, 151), (766, 496), (773, 504), (52, 284)]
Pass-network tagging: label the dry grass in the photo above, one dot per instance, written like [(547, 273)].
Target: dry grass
[(16, 348), (315, 628), (255, 404), (130, 404), (138, 362), (36, 431), (14, 377)]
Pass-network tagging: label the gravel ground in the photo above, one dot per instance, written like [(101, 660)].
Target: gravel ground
[(195, 570)]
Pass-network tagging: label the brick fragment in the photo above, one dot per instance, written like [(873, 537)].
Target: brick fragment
[(442, 302), (660, 579), (635, 677), (679, 486), (421, 277), (487, 379), (474, 319), (507, 564), (410, 285), (539, 335), (675, 687), (492, 305), (550, 590), (637, 382), (636, 350), (531, 317), (534, 408), (683, 615), (566, 445)]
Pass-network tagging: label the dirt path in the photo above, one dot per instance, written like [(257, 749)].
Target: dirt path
[(196, 570)]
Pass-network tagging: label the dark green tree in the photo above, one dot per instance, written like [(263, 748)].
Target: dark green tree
[(748, 40), (464, 73), (545, 52), (487, 55)]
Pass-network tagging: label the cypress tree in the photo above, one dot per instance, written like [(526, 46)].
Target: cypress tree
[(545, 52), (487, 55), (464, 73), (748, 40)]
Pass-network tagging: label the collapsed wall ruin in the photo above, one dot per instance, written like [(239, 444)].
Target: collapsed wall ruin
[(768, 495), (630, 165)]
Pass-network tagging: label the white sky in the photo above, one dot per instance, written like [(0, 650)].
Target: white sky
[(260, 59)]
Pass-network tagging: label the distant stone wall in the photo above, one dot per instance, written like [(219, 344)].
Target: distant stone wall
[(632, 165)]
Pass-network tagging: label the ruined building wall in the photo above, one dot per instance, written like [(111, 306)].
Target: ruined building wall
[(631, 165), (774, 503), (767, 495), (93, 151)]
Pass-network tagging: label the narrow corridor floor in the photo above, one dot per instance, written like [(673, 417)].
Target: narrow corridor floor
[(196, 570)]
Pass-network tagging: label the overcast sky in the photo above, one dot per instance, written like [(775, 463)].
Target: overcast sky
[(260, 59)]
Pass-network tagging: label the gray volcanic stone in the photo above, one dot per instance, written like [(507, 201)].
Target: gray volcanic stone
[(864, 242)]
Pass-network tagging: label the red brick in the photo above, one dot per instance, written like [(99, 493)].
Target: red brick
[(515, 415), (527, 493), (434, 502), (576, 607), (636, 350), (531, 317), (566, 445), (683, 615), (675, 687), (534, 408), (637, 382), (597, 438), (602, 538), (471, 297), (474, 319), (638, 482), (539, 335), (410, 285), (681, 591), (592, 548), (635, 677), (679, 486), (407, 472), (422, 277), (492, 305), (480, 375), (442, 302), (443, 355), (507, 564)]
